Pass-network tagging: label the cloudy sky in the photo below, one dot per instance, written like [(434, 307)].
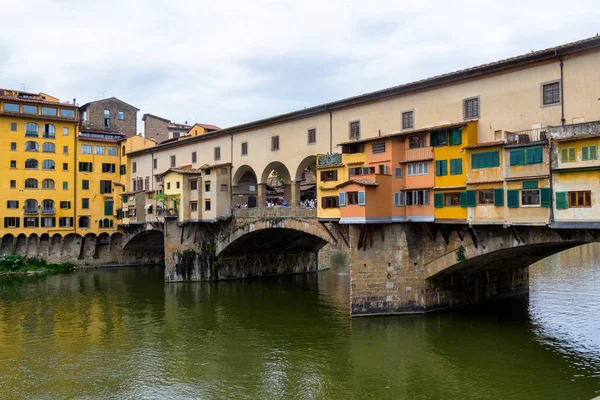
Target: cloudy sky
[(228, 62)]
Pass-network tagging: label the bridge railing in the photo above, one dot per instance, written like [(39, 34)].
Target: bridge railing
[(282, 212)]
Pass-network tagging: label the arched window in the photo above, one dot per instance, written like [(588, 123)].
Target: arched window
[(47, 206), (106, 223), (31, 206), (47, 184), (48, 147), (31, 163), (31, 129), (31, 183), (31, 146), (84, 222), (49, 131), (48, 164)]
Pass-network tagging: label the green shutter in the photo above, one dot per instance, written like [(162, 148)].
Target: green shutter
[(463, 199), (530, 184), (545, 197), (471, 198), (572, 154), (512, 197), (37, 222), (101, 187), (495, 159), (438, 200), (456, 166), (499, 197), (517, 157), (108, 207), (564, 155), (53, 222), (585, 153), (534, 155), (593, 152), (475, 161), (441, 167), (18, 222), (562, 202), (455, 136)]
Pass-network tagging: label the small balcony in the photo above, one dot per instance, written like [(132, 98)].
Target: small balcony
[(48, 210), (526, 136), (418, 154), (31, 210)]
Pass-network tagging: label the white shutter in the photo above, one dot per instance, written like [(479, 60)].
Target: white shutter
[(361, 198), (342, 198)]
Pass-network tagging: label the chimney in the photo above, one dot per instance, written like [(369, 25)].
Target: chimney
[(74, 101)]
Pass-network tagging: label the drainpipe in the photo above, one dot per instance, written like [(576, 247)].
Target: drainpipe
[(75, 167), (330, 132), (562, 96)]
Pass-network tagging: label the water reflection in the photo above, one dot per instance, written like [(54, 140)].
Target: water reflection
[(123, 333)]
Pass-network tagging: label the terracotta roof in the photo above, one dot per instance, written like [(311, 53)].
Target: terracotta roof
[(183, 171), (552, 53), (90, 139), (409, 132), (39, 101), (485, 144), (207, 127), (359, 181), (206, 166)]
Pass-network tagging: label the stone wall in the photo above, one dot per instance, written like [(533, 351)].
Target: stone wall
[(156, 128), (82, 251), (95, 116)]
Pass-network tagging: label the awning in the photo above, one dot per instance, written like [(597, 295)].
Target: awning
[(147, 206)]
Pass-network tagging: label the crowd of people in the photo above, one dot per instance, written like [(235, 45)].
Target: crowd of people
[(280, 202)]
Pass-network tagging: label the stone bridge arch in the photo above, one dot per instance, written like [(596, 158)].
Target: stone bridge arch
[(490, 249), (272, 234), (144, 240)]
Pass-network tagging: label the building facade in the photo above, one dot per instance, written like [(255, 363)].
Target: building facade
[(112, 115)]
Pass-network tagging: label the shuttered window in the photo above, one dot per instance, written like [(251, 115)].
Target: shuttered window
[(361, 198), (456, 166), (108, 207), (530, 184), (378, 148), (471, 198), (568, 155), (463, 199), (438, 200), (489, 159), (471, 108), (441, 167), (534, 155), (455, 136), (342, 199), (512, 197), (499, 197), (589, 153), (546, 197), (354, 130), (562, 201), (397, 172)]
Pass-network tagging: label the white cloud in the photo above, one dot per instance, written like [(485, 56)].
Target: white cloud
[(231, 62)]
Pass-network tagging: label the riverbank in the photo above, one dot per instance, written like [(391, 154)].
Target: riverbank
[(14, 264)]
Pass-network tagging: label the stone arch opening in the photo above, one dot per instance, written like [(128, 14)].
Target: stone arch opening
[(44, 247), (56, 245), (305, 184), (8, 242), (32, 245), (21, 244), (245, 188), (146, 246), (277, 180)]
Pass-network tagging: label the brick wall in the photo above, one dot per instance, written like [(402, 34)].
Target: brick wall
[(95, 116), (156, 128)]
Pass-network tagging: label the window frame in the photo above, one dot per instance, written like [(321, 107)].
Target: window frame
[(311, 136), (542, 94), (466, 116), (481, 192), (522, 194), (275, 145), (352, 136), (412, 119), (586, 193), (244, 146)]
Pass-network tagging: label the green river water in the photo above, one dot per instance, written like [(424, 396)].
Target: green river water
[(125, 334)]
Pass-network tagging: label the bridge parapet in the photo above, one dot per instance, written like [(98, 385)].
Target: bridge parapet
[(280, 212)]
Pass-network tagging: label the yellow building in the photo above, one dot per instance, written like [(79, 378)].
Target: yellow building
[(38, 152), (450, 180), (98, 163), (576, 175), (331, 171)]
